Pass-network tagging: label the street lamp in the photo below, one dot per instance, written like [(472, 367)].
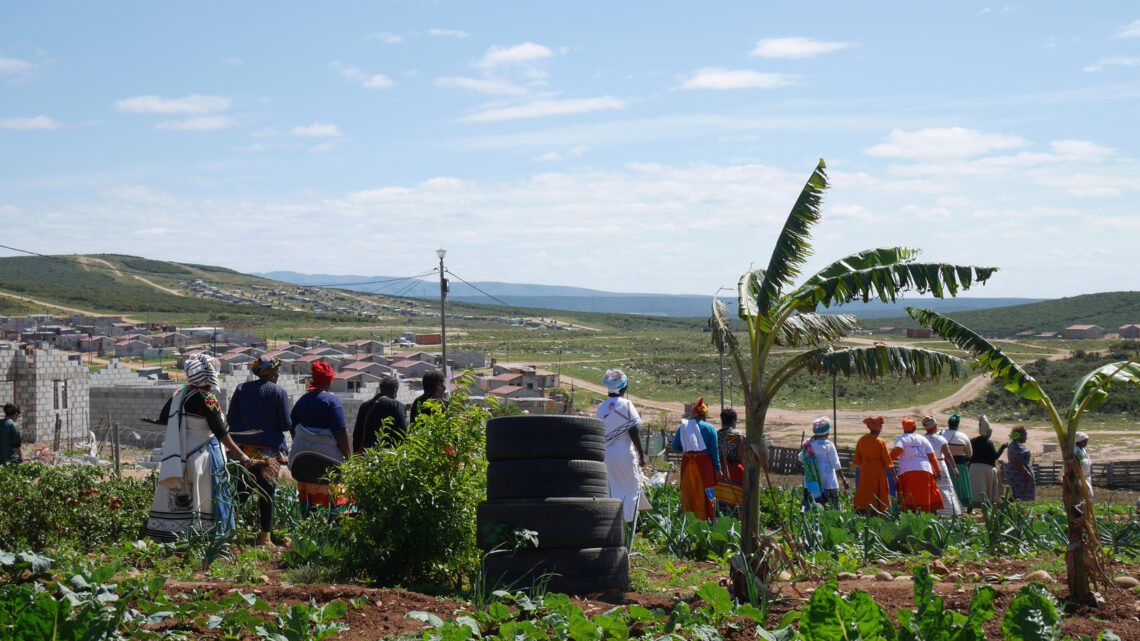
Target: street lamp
[(443, 311)]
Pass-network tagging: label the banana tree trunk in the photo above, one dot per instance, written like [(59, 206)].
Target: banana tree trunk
[(1078, 555), (753, 468)]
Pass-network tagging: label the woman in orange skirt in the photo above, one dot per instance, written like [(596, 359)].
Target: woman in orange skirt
[(872, 488), (701, 463), (918, 471)]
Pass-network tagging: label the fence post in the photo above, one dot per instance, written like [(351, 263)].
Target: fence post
[(115, 445)]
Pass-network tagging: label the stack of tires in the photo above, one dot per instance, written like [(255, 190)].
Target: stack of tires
[(548, 474)]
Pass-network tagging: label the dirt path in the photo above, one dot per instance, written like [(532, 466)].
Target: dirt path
[(87, 260), (158, 287), (72, 310)]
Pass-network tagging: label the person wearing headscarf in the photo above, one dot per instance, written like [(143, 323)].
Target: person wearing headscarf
[(951, 506), (259, 420), (1080, 450), (821, 467), (918, 470), (984, 480), (873, 461), (193, 489), (1018, 470), (730, 440), (700, 463), (623, 444), (961, 450), (320, 442)]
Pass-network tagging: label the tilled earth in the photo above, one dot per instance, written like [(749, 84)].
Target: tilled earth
[(382, 613)]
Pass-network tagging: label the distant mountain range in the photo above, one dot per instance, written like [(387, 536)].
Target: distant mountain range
[(579, 299)]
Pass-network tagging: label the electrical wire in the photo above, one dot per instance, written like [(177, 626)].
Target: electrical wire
[(499, 300)]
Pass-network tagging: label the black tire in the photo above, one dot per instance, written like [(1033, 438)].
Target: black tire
[(529, 437), (546, 478), (559, 522), (584, 571)]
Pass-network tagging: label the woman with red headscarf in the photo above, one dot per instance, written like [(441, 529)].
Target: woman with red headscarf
[(872, 488), (917, 469), (700, 464), (320, 441)]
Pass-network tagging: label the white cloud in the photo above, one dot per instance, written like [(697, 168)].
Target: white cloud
[(325, 146), (25, 124), (549, 156), (951, 142), (192, 105), (364, 79), (265, 132), (518, 54), (541, 108), (15, 67), (796, 47), (717, 78), (858, 213), (447, 33), (1131, 31), (1084, 185), (1113, 61), (198, 123), (390, 38), (318, 130), (1082, 150), (234, 62), (485, 85)]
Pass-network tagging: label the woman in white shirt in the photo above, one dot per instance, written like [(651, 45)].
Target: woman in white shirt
[(623, 444), (917, 469)]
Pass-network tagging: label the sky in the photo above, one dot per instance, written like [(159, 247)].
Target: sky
[(635, 147)]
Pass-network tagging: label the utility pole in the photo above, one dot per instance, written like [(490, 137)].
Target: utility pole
[(443, 311), (834, 414)]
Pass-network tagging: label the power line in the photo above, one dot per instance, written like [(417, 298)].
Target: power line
[(499, 300)]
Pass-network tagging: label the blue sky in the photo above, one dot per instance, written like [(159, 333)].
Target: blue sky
[(649, 147)]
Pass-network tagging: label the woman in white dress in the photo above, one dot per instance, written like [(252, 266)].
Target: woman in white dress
[(951, 505), (623, 445)]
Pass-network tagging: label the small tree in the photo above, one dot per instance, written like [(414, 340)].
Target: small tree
[(778, 317), (1081, 557)]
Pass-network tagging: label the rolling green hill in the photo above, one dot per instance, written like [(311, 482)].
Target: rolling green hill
[(110, 284), (1109, 310)]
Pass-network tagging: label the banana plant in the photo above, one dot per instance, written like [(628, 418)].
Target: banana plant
[(1082, 561), (780, 314)]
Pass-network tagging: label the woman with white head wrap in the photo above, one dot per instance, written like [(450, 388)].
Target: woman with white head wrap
[(623, 444), (193, 488), (984, 479), (1080, 449)]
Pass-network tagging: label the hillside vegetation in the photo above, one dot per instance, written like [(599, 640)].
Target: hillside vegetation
[(1109, 310)]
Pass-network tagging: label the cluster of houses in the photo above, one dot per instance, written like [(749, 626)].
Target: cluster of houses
[(42, 369), (331, 301), (1072, 332), (1085, 332)]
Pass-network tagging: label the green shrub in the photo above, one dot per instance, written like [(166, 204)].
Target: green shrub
[(416, 503), (82, 505)]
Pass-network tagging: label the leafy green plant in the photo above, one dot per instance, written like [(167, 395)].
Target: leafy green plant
[(70, 504), (1032, 616), (416, 520), (306, 622)]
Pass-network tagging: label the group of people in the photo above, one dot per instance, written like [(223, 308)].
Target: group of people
[(707, 454), (945, 473), (193, 486)]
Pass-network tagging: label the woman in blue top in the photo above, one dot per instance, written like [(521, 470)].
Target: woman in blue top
[(320, 441), (701, 463)]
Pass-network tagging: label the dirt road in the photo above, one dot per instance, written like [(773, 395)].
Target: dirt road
[(159, 287)]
